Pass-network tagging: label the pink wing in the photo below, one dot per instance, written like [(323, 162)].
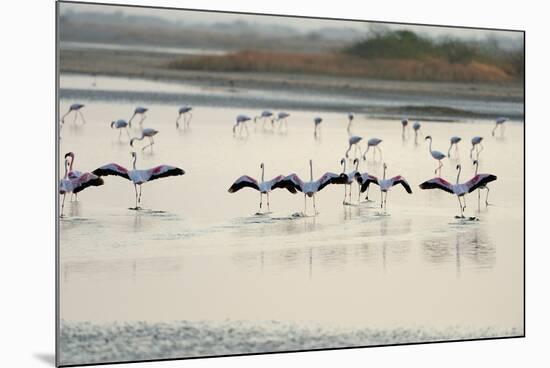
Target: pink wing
[(291, 181), (280, 182), (396, 180), (112, 169), (479, 180), (164, 171), (437, 183), (86, 180), (331, 178), (242, 182)]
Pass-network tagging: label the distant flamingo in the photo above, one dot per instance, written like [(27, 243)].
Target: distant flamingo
[(476, 163), (75, 181), (185, 113), (138, 177), (264, 116), (146, 132), (459, 189), (317, 121), (239, 122), (404, 124), (499, 122), (437, 155), (454, 142), (476, 143), (120, 124), (350, 120), (311, 187), (281, 118), (416, 128), (138, 111), (350, 178), (264, 187), (353, 141), (373, 142), (385, 185), (75, 108)]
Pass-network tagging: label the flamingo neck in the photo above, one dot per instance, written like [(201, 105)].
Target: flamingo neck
[(66, 169), (344, 164), (311, 170), (477, 167), (458, 175), (384, 175), (430, 145), (263, 169), (356, 165), (134, 163), (71, 165)]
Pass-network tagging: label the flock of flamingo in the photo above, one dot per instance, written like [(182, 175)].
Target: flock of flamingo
[(75, 181)]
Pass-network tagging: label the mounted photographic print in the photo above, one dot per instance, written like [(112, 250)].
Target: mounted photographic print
[(234, 183)]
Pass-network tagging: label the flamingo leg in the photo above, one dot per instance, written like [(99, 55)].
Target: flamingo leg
[(379, 151), (381, 199), (130, 121), (305, 204), (139, 197), (345, 194), (314, 208), (385, 201), (487, 197), (63, 204), (82, 116), (261, 200), (127, 133), (479, 151), (75, 116), (478, 200), (178, 122), (268, 209), (143, 117), (189, 120), (119, 134), (461, 209), (246, 126), (135, 190)]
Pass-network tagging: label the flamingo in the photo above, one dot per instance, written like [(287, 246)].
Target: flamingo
[(385, 185), (476, 163), (499, 122), (311, 187), (476, 141), (404, 124), (373, 142), (281, 118), (454, 142), (120, 124), (239, 122), (317, 122), (416, 128), (138, 177), (459, 189), (350, 178), (353, 141), (76, 109), (264, 187), (75, 181), (350, 120), (362, 179), (266, 114), (185, 113), (138, 111), (437, 155), (147, 132)]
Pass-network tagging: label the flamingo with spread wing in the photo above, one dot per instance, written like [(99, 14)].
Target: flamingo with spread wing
[(138, 177), (384, 184)]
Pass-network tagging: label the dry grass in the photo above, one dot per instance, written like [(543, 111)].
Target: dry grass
[(336, 64)]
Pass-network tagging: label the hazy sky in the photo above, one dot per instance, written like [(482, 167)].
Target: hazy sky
[(301, 24)]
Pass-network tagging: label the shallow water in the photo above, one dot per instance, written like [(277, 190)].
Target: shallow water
[(198, 253)]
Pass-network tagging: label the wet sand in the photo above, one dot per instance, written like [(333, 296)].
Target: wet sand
[(197, 254)]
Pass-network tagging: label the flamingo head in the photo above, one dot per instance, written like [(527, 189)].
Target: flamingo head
[(132, 143), (69, 154), (133, 154), (262, 165), (385, 166), (355, 161), (475, 162), (458, 167), (342, 161), (428, 137)]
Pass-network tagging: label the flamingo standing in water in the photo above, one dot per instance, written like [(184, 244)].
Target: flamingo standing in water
[(373, 142), (384, 184), (264, 116), (499, 123), (75, 181), (264, 187), (147, 132), (476, 144), (350, 120), (459, 189), (476, 163), (353, 141), (350, 178), (416, 128), (281, 118), (138, 177), (437, 155), (76, 109), (311, 187), (454, 142), (404, 124), (138, 111), (120, 124), (240, 121), (185, 113), (317, 121)]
